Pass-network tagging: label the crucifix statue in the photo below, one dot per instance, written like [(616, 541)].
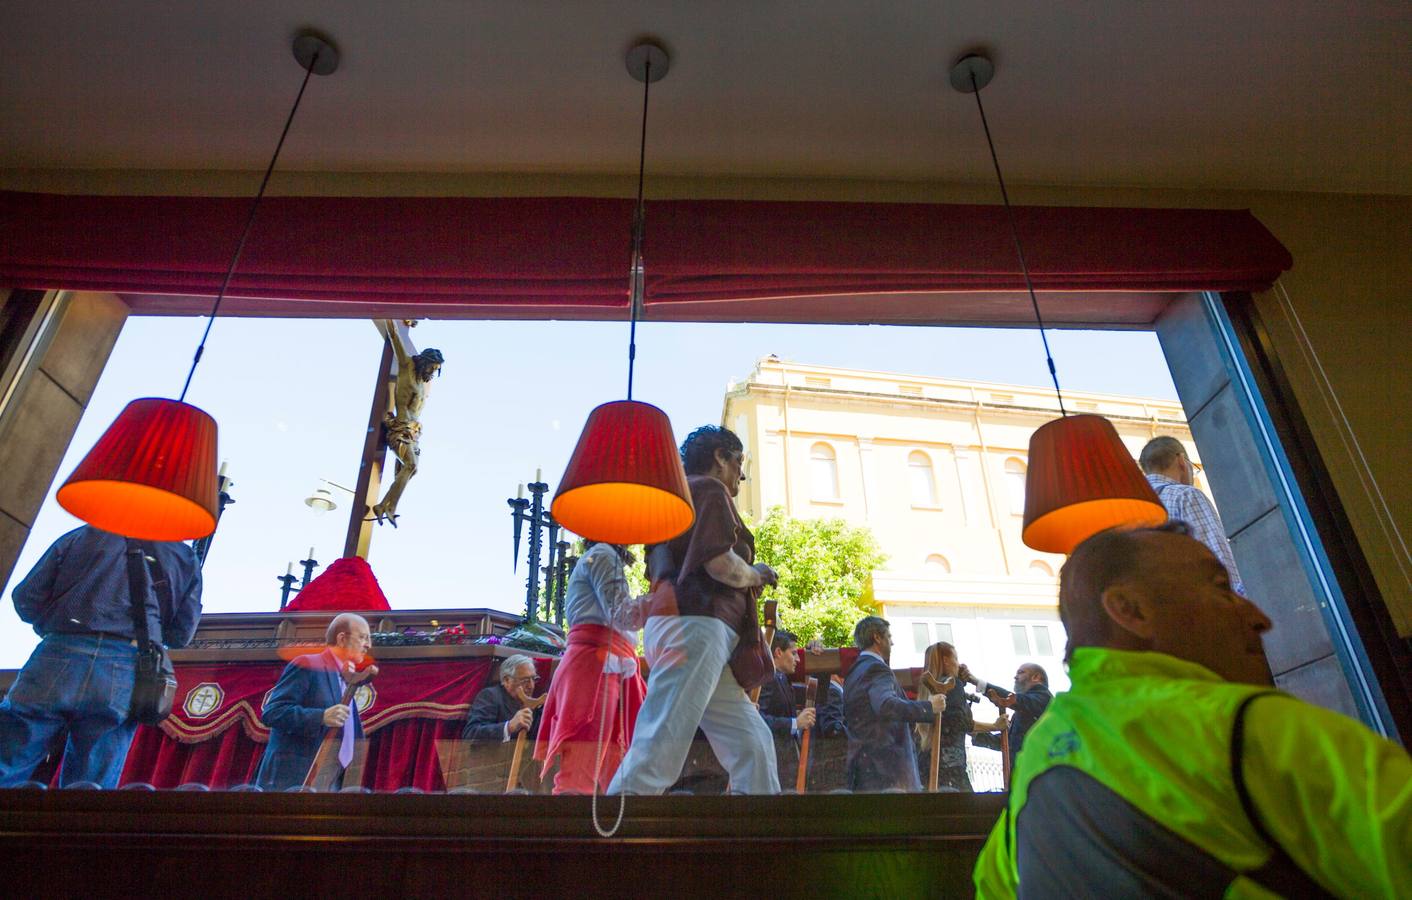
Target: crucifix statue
[(402, 426), (394, 423)]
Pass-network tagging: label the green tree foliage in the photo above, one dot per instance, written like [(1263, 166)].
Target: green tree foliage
[(825, 566)]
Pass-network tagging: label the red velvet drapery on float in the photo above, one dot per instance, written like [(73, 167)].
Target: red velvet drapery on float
[(215, 736), (532, 256)]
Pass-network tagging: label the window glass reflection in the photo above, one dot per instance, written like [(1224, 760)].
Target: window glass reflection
[(437, 715)]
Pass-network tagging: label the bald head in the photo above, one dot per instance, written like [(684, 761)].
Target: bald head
[(1108, 558), (1157, 589), (1034, 673), (349, 632), (341, 624)]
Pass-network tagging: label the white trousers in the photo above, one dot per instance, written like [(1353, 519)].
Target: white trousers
[(691, 685)]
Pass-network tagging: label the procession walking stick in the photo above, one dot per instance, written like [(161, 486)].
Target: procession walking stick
[(513, 779), (936, 686), (768, 614), (328, 747), (811, 690), (1004, 749)]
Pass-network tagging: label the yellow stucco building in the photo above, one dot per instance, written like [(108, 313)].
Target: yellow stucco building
[(935, 467)]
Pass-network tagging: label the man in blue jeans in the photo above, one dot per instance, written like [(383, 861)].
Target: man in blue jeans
[(80, 677)]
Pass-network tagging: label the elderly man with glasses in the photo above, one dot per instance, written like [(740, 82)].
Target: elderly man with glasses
[(499, 713), (1172, 475)]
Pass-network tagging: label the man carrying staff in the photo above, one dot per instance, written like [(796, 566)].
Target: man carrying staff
[(498, 713), (1029, 700), (689, 647), (597, 690), (881, 755), (308, 700), (777, 704)]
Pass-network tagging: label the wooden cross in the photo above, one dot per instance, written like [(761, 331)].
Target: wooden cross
[(369, 487)]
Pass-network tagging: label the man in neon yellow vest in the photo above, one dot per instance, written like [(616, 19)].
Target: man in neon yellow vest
[(1171, 768)]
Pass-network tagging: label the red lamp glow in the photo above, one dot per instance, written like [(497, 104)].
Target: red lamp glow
[(1081, 480), (152, 475), (625, 483)]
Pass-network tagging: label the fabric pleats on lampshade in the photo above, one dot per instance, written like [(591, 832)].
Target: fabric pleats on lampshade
[(624, 483), (152, 475), (1082, 480)]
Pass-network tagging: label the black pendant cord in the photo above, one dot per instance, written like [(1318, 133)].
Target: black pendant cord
[(1019, 249), (637, 288), (245, 232)]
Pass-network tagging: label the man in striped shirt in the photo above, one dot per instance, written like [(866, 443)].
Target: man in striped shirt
[(1171, 473)]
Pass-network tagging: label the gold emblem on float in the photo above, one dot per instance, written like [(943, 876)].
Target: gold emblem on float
[(203, 700), (365, 696)]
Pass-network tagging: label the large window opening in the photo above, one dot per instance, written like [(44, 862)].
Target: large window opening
[(824, 416)]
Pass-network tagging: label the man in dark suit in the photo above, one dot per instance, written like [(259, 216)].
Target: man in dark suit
[(497, 713), (1029, 700), (881, 754), (308, 700), (777, 706)]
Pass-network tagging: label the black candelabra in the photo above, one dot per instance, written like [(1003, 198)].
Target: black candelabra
[(202, 546), (288, 578), (560, 571), (530, 511)]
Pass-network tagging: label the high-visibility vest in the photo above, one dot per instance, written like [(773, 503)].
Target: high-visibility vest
[(1157, 732)]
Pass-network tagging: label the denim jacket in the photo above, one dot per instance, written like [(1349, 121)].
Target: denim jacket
[(81, 585)]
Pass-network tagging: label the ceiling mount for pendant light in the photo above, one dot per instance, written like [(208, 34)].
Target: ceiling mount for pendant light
[(624, 483), (1080, 478), (152, 475)]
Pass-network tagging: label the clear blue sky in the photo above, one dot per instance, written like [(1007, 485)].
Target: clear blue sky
[(291, 398)]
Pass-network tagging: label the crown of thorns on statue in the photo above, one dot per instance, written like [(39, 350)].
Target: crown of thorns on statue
[(427, 361)]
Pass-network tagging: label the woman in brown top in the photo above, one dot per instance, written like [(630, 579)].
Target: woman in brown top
[(688, 647)]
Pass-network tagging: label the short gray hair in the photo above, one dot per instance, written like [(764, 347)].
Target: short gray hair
[(509, 664), (1160, 453), (867, 631)]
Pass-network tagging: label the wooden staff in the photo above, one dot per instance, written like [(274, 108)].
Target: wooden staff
[(936, 686), (993, 694), (811, 690), (1005, 748), (768, 613), (328, 748), (513, 779)]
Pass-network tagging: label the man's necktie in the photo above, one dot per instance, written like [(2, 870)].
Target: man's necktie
[(345, 747)]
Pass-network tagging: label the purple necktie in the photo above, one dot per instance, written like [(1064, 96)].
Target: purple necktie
[(345, 747)]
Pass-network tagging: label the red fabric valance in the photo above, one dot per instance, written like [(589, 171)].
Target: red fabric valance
[(548, 253)]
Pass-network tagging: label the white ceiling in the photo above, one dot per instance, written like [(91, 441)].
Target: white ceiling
[(1307, 95)]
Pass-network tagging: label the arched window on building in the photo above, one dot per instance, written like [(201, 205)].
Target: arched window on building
[(1015, 485), (937, 564), (823, 472), (923, 479), (1041, 568)]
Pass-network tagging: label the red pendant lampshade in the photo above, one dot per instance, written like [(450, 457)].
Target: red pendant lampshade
[(1082, 480), (152, 475), (625, 483)]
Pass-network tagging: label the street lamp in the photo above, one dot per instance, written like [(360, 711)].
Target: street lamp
[(321, 501)]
